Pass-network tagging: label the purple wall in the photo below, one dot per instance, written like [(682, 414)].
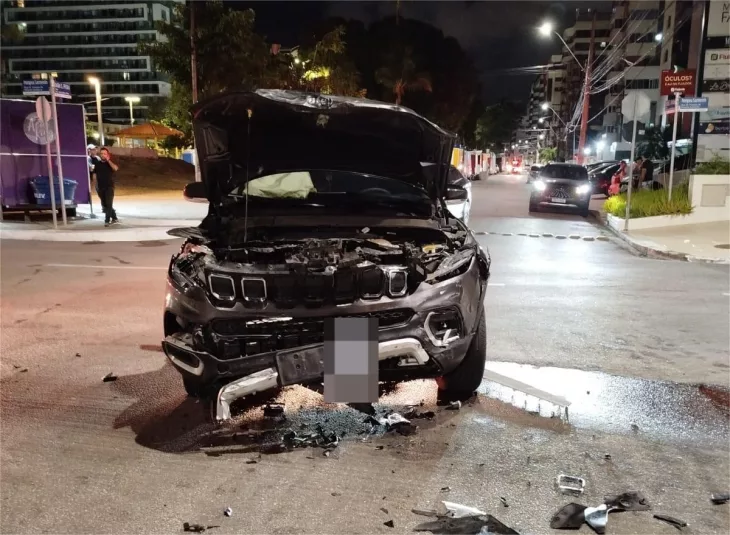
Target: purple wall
[(22, 156)]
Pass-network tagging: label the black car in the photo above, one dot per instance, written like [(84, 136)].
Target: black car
[(600, 177), (322, 207), (561, 184)]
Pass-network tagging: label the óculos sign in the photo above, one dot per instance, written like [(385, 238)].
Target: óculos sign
[(678, 82)]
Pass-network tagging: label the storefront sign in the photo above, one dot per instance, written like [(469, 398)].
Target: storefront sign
[(715, 127), (718, 18), (678, 82), (717, 42), (717, 57), (716, 86), (715, 114)]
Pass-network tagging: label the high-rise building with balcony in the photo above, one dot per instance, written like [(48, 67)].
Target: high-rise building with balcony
[(75, 40)]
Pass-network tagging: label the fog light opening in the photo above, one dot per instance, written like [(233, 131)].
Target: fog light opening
[(443, 327)]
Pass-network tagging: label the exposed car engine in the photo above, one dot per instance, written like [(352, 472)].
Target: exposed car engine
[(318, 271)]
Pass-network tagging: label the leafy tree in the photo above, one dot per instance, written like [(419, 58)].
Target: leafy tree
[(548, 154), (497, 123), (174, 111), (656, 142), (400, 74)]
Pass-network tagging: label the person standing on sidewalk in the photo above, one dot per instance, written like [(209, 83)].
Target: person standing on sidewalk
[(92, 159), (104, 171)]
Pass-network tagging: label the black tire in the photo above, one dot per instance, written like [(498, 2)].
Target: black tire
[(193, 388), (463, 381), (70, 212), (533, 207), (585, 210)]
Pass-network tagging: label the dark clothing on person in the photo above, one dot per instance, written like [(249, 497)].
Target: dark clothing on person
[(105, 188), (649, 166), (104, 174)]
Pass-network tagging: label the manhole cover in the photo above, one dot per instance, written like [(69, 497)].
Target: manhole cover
[(723, 246)]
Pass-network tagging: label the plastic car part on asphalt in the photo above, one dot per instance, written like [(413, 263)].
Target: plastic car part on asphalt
[(462, 519), (571, 484), (597, 517)]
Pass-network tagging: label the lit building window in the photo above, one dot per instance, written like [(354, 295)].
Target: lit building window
[(125, 76)]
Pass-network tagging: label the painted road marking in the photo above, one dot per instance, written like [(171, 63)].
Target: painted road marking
[(99, 266), (726, 293), (589, 238)]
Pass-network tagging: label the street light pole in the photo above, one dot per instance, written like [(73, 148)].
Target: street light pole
[(586, 94), (93, 80), (132, 101)]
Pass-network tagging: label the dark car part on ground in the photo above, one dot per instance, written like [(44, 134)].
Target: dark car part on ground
[(720, 498), (327, 232), (471, 525), (561, 184)]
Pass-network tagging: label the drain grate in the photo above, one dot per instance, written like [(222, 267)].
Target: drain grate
[(723, 246)]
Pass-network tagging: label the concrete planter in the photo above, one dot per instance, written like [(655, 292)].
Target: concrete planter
[(645, 223)]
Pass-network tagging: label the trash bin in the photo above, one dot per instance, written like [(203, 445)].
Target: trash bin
[(41, 191)]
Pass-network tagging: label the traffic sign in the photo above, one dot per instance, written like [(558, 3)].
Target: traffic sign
[(670, 106), (694, 104), (34, 88), (677, 82)]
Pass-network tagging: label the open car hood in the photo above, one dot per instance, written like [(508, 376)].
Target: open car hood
[(242, 136)]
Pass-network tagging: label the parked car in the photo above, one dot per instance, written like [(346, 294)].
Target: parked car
[(460, 208), (534, 171), (322, 229), (600, 177), (561, 184)]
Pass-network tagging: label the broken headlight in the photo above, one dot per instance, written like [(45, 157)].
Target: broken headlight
[(456, 264)]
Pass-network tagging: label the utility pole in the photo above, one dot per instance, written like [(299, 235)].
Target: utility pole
[(194, 81), (193, 59), (586, 94)]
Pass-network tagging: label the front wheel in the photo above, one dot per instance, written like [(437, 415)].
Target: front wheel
[(585, 210), (462, 382)]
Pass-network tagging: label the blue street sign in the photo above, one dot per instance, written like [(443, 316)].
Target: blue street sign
[(694, 104), (32, 88), (63, 90)]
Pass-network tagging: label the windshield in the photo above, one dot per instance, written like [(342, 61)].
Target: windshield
[(318, 184), (569, 172)]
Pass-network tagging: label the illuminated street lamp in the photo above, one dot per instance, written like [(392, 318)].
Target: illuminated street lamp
[(93, 80), (541, 136), (547, 29), (544, 106), (658, 37), (587, 151), (132, 101)]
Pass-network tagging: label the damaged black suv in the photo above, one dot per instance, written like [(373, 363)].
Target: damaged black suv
[(321, 207)]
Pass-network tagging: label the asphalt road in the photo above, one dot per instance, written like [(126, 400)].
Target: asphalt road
[(639, 346)]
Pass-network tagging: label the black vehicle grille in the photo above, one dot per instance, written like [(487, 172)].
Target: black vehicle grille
[(559, 192), (314, 290), (250, 337)]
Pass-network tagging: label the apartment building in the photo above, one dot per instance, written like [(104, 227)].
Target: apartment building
[(75, 40)]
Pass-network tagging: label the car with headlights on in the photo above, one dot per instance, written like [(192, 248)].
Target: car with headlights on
[(561, 184), (322, 207)]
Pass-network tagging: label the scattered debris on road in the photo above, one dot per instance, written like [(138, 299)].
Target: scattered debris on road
[(445, 489), (597, 517), (628, 501), (454, 406), (228, 511), (571, 484), (414, 414), (196, 528), (720, 498), (456, 510), (470, 525), (676, 522), (109, 377), (273, 410), (570, 516), (504, 501), (389, 524)]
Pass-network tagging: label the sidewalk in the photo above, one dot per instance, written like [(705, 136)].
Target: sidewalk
[(706, 242), (142, 219)]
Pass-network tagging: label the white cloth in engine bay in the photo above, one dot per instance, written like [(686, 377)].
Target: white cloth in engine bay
[(295, 185)]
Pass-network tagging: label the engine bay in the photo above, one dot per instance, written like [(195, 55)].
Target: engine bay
[(318, 265)]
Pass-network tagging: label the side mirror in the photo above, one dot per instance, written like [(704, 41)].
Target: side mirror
[(456, 193), (195, 192)]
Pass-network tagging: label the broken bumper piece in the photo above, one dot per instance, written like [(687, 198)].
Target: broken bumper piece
[(300, 366)]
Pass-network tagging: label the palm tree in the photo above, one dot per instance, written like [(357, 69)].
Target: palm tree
[(400, 75)]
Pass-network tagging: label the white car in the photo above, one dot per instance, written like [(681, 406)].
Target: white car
[(460, 208)]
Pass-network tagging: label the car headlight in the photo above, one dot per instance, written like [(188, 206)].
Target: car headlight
[(539, 185), (585, 188), (452, 266)]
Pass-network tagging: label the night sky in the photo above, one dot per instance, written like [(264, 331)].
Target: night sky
[(497, 35)]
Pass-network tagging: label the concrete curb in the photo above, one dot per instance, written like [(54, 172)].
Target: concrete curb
[(102, 235), (651, 252)]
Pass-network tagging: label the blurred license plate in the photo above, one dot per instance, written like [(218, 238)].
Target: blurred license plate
[(558, 200)]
